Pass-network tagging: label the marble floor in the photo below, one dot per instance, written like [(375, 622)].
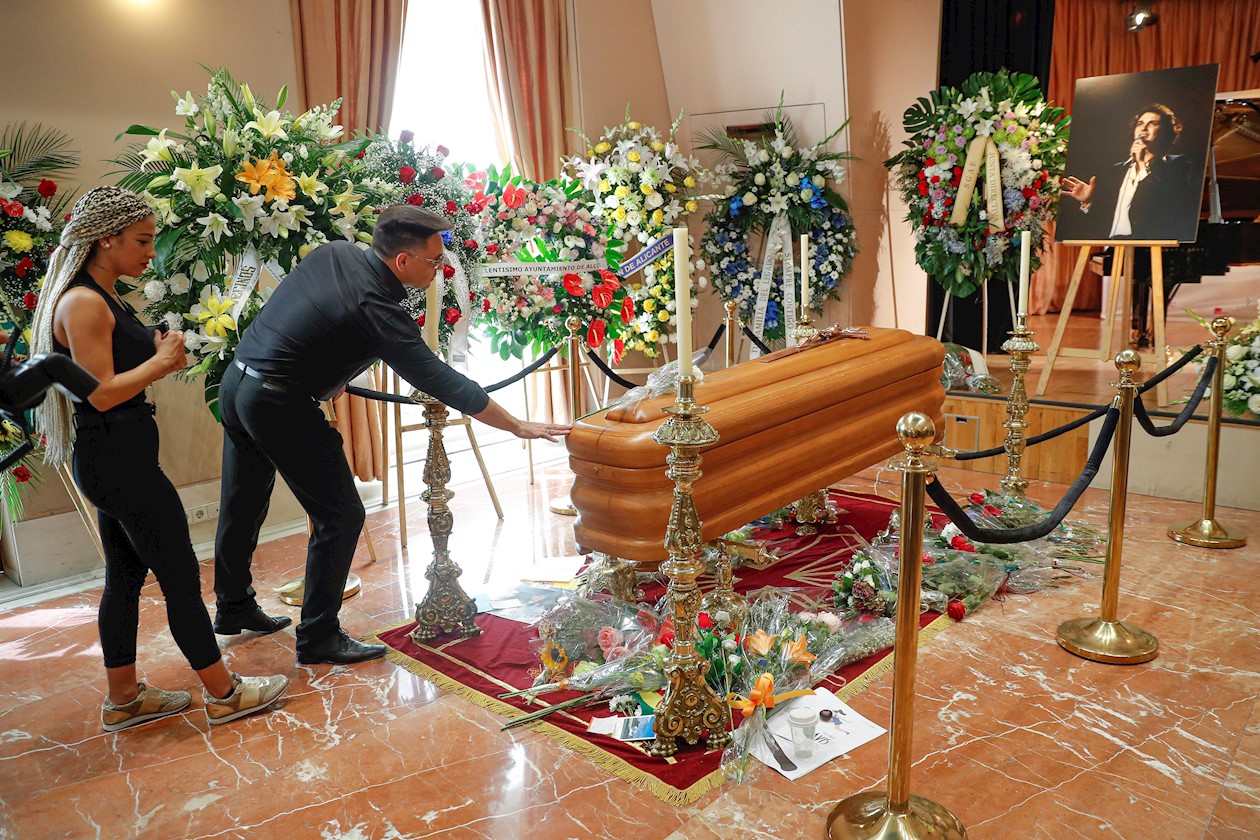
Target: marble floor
[(1019, 738)]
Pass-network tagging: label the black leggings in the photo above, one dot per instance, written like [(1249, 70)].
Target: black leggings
[(142, 528)]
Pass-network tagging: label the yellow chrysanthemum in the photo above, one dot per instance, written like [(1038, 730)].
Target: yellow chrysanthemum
[(19, 241)]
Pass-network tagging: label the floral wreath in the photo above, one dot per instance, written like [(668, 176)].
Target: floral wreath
[(767, 179), (528, 222), (422, 176), (1020, 133), (244, 178), (638, 185)]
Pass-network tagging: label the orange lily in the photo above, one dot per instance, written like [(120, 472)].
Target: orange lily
[(257, 174), (762, 695), (759, 643), (797, 653), (280, 184)]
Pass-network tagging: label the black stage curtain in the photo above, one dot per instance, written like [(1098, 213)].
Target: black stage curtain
[(979, 36)]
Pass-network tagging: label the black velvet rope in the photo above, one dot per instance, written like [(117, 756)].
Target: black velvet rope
[(1139, 410), (530, 368), (609, 372), (717, 336), (1005, 536), (752, 336), (385, 396), (1188, 357), (382, 396)]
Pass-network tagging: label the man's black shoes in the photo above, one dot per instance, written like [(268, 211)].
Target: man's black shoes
[(255, 620), (339, 649)]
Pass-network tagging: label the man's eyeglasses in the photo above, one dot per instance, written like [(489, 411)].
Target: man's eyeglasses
[(436, 262)]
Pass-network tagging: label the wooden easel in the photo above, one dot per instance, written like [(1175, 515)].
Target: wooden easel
[(1121, 284)]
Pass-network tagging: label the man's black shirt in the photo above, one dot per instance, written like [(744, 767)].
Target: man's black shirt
[(334, 316)]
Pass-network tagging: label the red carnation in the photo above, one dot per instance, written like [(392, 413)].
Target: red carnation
[(451, 208), (14, 208), (420, 320), (557, 309), (406, 174), (602, 296), (438, 173), (443, 151), (627, 309), (492, 248), (957, 171), (470, 243), (47, 188), (30, 301), (978, 498), (415, 199), (452, 315), (485, 305), (573, 285), (956, 610), (21, 474), (703, 621), (23, 265), (595, 335), (448, 271), (406, 136)]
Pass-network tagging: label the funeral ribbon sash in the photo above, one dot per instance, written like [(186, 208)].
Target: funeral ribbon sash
[(982, 151)]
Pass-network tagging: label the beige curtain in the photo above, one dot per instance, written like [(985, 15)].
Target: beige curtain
[(350, 49), (1090, 40), (530, 81)]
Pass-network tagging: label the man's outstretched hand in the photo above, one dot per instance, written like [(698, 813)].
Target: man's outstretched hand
[(547, 431)]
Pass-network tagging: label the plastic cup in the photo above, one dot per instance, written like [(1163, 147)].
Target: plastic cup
[(802, 722)]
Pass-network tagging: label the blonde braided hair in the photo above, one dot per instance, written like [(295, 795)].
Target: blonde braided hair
[(100, 212)]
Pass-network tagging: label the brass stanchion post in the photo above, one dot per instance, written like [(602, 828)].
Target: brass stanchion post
[(732, 332), (1207, 532), (1021, 347), (563, 505), (1106, 639), (446, 608), (690, 708), (897, 814)]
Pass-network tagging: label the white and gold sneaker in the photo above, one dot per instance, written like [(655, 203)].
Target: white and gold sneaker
[(151, 704), (249, 695)]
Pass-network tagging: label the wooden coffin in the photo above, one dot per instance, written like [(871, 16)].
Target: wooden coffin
[(789, 424)]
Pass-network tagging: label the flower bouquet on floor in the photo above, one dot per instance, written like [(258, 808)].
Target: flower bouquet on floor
[(423, 177), (1071, 541), (241, 186)]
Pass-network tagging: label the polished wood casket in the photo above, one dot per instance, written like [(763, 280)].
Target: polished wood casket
[(789, 424)]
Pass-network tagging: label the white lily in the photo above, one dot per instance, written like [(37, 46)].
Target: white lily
[(250, 207), (591, 172), (215, 225), (301, 216), (270, 226), (158, 148), (347, 225), (187, 106), (200, 183), (311, 186), (270, 125)]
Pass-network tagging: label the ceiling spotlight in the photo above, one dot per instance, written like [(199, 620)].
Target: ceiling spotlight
[(1142, 16)]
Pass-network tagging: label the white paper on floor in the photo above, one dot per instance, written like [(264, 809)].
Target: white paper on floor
[(846, 731)]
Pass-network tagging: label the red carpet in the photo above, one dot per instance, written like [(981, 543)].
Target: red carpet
[(500, 659)]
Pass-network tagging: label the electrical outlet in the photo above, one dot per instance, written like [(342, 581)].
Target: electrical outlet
[(962, 431), (202, 513)]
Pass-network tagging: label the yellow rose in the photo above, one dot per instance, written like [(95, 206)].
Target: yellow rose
[(691, 206), (637, 344), (652, 336), (634, 126), (633, 157), (663, 315), (646, 189), (603, 148), (604, 186), (658, 146), (590, 153), (669, 187), (622, 191), (304, 250), (621, 214), (648, 305), (689, 182), (657, 217)]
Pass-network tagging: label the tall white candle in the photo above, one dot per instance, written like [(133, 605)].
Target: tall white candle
[(1025, 259), (682, 299), (432, 305), (805, 275)]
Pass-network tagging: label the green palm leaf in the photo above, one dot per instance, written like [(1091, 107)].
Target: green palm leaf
[(36, 152)]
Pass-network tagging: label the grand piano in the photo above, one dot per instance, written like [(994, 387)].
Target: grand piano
[(1229, 228), (789, 423)]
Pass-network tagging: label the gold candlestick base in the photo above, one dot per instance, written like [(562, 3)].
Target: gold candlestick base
[(293, 592), (869, 816), (1113, 642), (446, 607), (616, 576), (691, 710), (1208, 533), (817, 509), (563, 505)]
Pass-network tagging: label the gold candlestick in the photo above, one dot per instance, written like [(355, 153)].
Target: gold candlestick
[(897, 814), (1021, 347), (724, 598), (690, 707), (1207, 532), (446, 608), (1107, 639)]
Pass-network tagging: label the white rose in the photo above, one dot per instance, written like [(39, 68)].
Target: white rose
[(154, 291), (759, 179), (750, 198), (1234, 352), (1228, 382), (179, 283), (1253, 404), (793, 179), (950, 531), (787, 152)]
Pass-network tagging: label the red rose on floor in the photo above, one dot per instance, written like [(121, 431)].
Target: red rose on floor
[(23, 265), (610, 279), (438, 173), (627, 309), (956, 610), (406, 136), (703, 621), (448, 271), (30, 301), (415, 199), (406, 174), (452, 315), (990, 510), (602, 296), (619, 350), (595, 335), (666, 636), (978, 498), (927, 559), (21, 474), (960, 543), (443, 151), (470, 243), (14, 208), (47, 188), (451, 208), (573, 285)]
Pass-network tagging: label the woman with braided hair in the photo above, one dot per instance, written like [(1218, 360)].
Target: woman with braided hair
[(112, 440)]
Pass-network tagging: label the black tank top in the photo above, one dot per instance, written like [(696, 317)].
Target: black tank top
[(132, 340)]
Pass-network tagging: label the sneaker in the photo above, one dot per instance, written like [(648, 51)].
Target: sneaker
[(249, 695), (151, 704)]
